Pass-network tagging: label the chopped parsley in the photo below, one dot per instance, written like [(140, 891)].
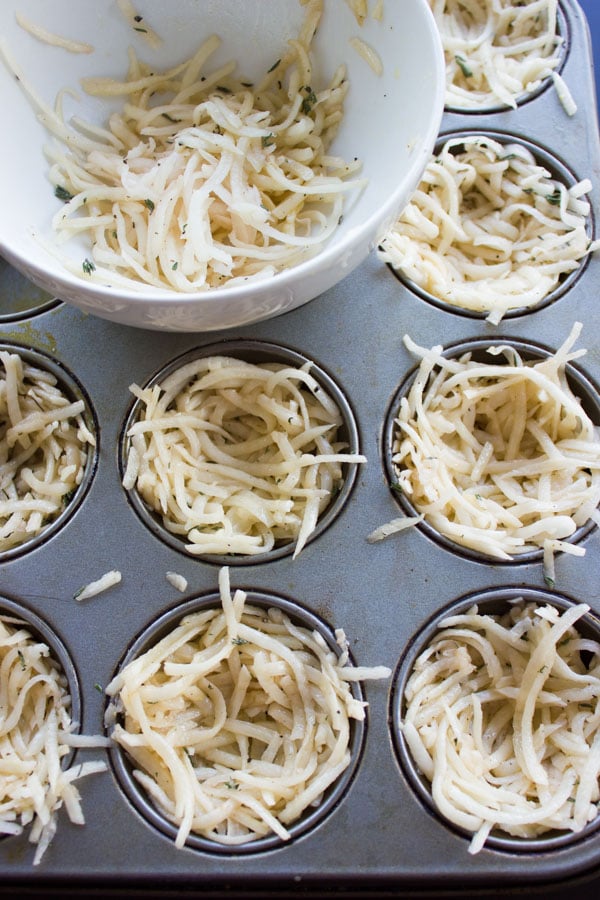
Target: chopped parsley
[(88, 266), (310, 99), (554, 198), (463, 66), (62, 193)]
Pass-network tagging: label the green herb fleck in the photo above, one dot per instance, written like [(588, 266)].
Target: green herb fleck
[(22, 659), (98, 687), (62, 193), (462, 64), (239, 641), (310, 99), (149, 204), (274, 66), (232, 785), (554, 198), (88, 266), (267, 140), (550, 582), (174, 266)]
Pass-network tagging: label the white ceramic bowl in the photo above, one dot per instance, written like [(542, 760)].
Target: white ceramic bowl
[(390, 122)]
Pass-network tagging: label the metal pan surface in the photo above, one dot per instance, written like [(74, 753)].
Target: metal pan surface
[(380, 834)]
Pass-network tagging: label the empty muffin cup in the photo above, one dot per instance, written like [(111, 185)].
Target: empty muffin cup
[(21, 298)]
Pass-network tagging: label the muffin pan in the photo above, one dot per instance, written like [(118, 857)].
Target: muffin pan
[(380, 831)]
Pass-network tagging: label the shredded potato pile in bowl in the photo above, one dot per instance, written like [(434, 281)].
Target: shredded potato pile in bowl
[(219, 182), (217, 164), (500, 716), (238, 721), (490, 229), (499, 457)]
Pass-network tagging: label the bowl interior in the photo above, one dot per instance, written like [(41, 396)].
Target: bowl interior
[(390, 121)]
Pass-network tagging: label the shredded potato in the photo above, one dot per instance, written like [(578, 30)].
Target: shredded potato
[(501, 716), (36, 734), (201, 180), (236, 456), (499, 457), (368, 53), (106, 581), (48, 37), (138, 23), (489, 229), (496, 50), (360, 10), (237, 720), (179, 582), (44, 445)]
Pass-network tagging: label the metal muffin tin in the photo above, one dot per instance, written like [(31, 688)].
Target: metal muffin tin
[(381, 833)]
